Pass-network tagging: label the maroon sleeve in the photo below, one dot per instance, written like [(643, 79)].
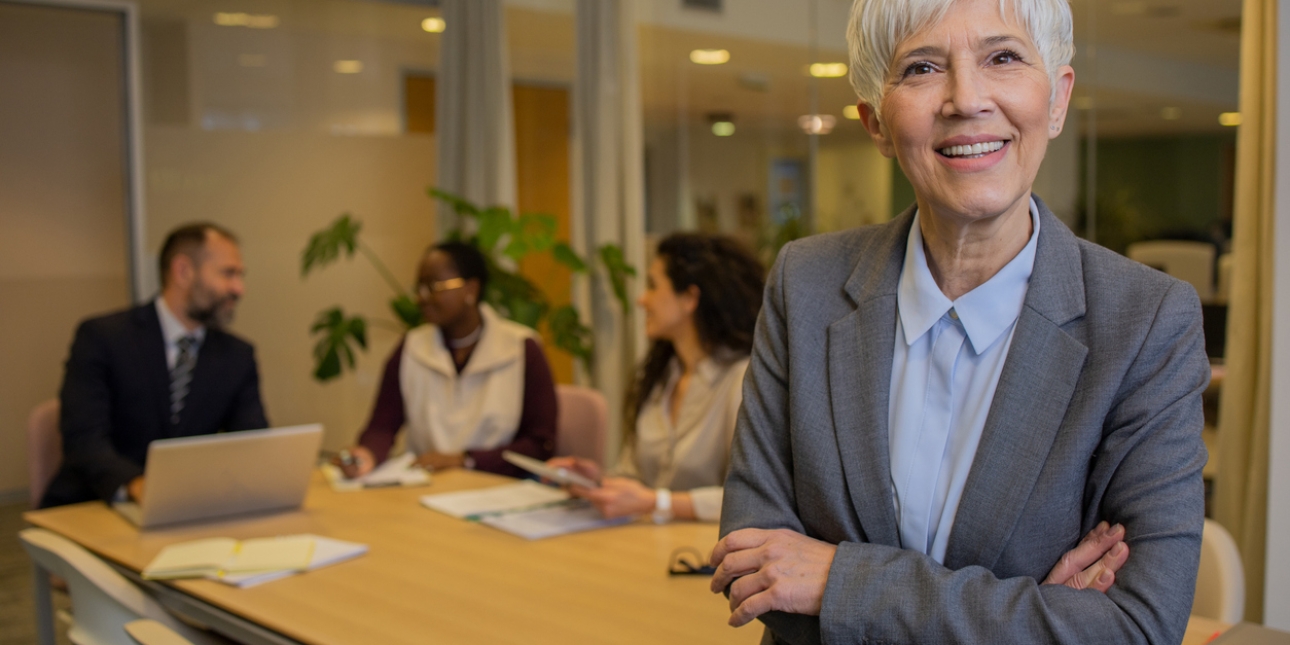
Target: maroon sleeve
[(536, 434), (387, 415)]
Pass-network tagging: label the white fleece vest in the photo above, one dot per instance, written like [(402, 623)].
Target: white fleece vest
[(478, 409)]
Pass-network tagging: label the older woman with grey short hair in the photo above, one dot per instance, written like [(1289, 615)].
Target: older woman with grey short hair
[(966, 425)]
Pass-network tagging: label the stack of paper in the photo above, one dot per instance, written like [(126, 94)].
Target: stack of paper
[(248, 562), (397, 471), (527, 509)]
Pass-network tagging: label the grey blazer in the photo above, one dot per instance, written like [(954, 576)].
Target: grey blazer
[(1097, 416)]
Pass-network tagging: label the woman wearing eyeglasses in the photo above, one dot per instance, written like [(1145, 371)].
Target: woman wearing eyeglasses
[(468, 384)]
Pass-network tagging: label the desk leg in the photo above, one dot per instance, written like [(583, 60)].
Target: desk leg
[(44, 603)]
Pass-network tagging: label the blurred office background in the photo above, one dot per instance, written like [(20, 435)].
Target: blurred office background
[(273, 117)]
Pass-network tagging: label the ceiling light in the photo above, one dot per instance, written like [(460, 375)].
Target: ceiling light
[(817, 123), (851, 112), (252, 60), (239, 19), (710, 56), (434, 25), (1171, 113), (828, 70), (1230, 119), (723, 128), (348, 66)]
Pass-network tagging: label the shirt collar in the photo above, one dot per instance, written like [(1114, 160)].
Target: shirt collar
[(171, 329), (986, 312)]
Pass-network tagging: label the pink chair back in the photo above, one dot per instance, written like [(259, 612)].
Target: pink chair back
[(580, 426), (44, 449)]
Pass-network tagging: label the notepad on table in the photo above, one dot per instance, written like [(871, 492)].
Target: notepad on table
[(221, 556), (526, 508), (396, 471), (327, 551)]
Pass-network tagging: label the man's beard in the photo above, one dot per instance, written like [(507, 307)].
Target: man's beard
[(217, 313)]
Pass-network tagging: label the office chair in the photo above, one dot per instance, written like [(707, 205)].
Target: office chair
[(580, 426), (1220, 583), (1191, 262), (103, 601), (44, 449)]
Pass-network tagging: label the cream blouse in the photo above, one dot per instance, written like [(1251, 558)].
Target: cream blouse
[(694, 455)]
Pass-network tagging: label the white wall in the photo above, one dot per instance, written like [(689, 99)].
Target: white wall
[(62, 202)]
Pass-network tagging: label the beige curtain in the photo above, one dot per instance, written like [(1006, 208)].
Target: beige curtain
[(1241, 490)]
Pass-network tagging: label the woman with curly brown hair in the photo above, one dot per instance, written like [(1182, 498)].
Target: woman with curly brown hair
[(702, 297)]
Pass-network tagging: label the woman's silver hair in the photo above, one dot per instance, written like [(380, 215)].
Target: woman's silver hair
[(877, 27)]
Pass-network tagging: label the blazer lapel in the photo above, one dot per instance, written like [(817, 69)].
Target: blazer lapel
[(860, 348), (152, 352), (1039, 377)]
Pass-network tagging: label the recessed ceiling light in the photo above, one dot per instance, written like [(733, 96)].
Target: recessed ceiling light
[(1171, 113), (239, 19), (434, 25), (828, 70), (851, 112), (723, 128), (817, 123), (348, 66), (710, 56), (1230, 119)]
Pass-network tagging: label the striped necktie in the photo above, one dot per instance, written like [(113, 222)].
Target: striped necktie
[(181, 375)]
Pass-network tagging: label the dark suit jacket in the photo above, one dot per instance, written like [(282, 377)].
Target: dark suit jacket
[(1097, 416), (116, 400)]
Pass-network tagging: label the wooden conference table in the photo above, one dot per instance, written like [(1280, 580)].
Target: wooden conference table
[(432, 578)]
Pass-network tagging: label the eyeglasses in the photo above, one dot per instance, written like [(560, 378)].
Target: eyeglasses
[(426, 290), (687, 561)]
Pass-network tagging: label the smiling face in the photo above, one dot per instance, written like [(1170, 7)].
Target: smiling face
[(967, 112)]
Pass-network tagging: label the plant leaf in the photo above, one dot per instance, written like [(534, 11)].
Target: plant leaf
[(571, 335), (459, 205), (564, 254), (406, 311), (336, 332), (612, 257), (325, 246), (494, 223)]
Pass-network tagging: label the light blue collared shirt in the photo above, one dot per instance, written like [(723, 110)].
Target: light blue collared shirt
[(945, 368)]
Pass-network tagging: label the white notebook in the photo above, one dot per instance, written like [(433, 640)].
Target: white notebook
[(526, 508), (326, 552), (396, 471), (219, 556)]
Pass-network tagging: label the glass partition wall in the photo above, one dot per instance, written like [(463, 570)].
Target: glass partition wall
[(274, 117)]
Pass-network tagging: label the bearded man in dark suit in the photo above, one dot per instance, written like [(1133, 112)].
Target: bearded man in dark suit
[(159, 370)]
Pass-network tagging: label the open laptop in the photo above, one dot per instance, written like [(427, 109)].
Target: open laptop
[(197, 478)]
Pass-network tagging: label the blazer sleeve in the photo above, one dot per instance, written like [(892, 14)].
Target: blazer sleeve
[(1150, 456), (85, 421)]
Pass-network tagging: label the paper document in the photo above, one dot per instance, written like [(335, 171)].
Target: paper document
[(472, 504), (570, 516), (396, 471), (326, 552), (215, 556)]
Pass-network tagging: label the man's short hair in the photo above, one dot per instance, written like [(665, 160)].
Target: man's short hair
[(190, 240)]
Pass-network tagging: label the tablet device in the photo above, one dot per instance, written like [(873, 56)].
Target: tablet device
[(562, 476)]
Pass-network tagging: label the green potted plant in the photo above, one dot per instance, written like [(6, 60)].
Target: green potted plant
[(504, 239)]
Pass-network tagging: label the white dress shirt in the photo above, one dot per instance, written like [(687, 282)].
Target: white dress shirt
[(945, 367), (694, 454), (172, 330)]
